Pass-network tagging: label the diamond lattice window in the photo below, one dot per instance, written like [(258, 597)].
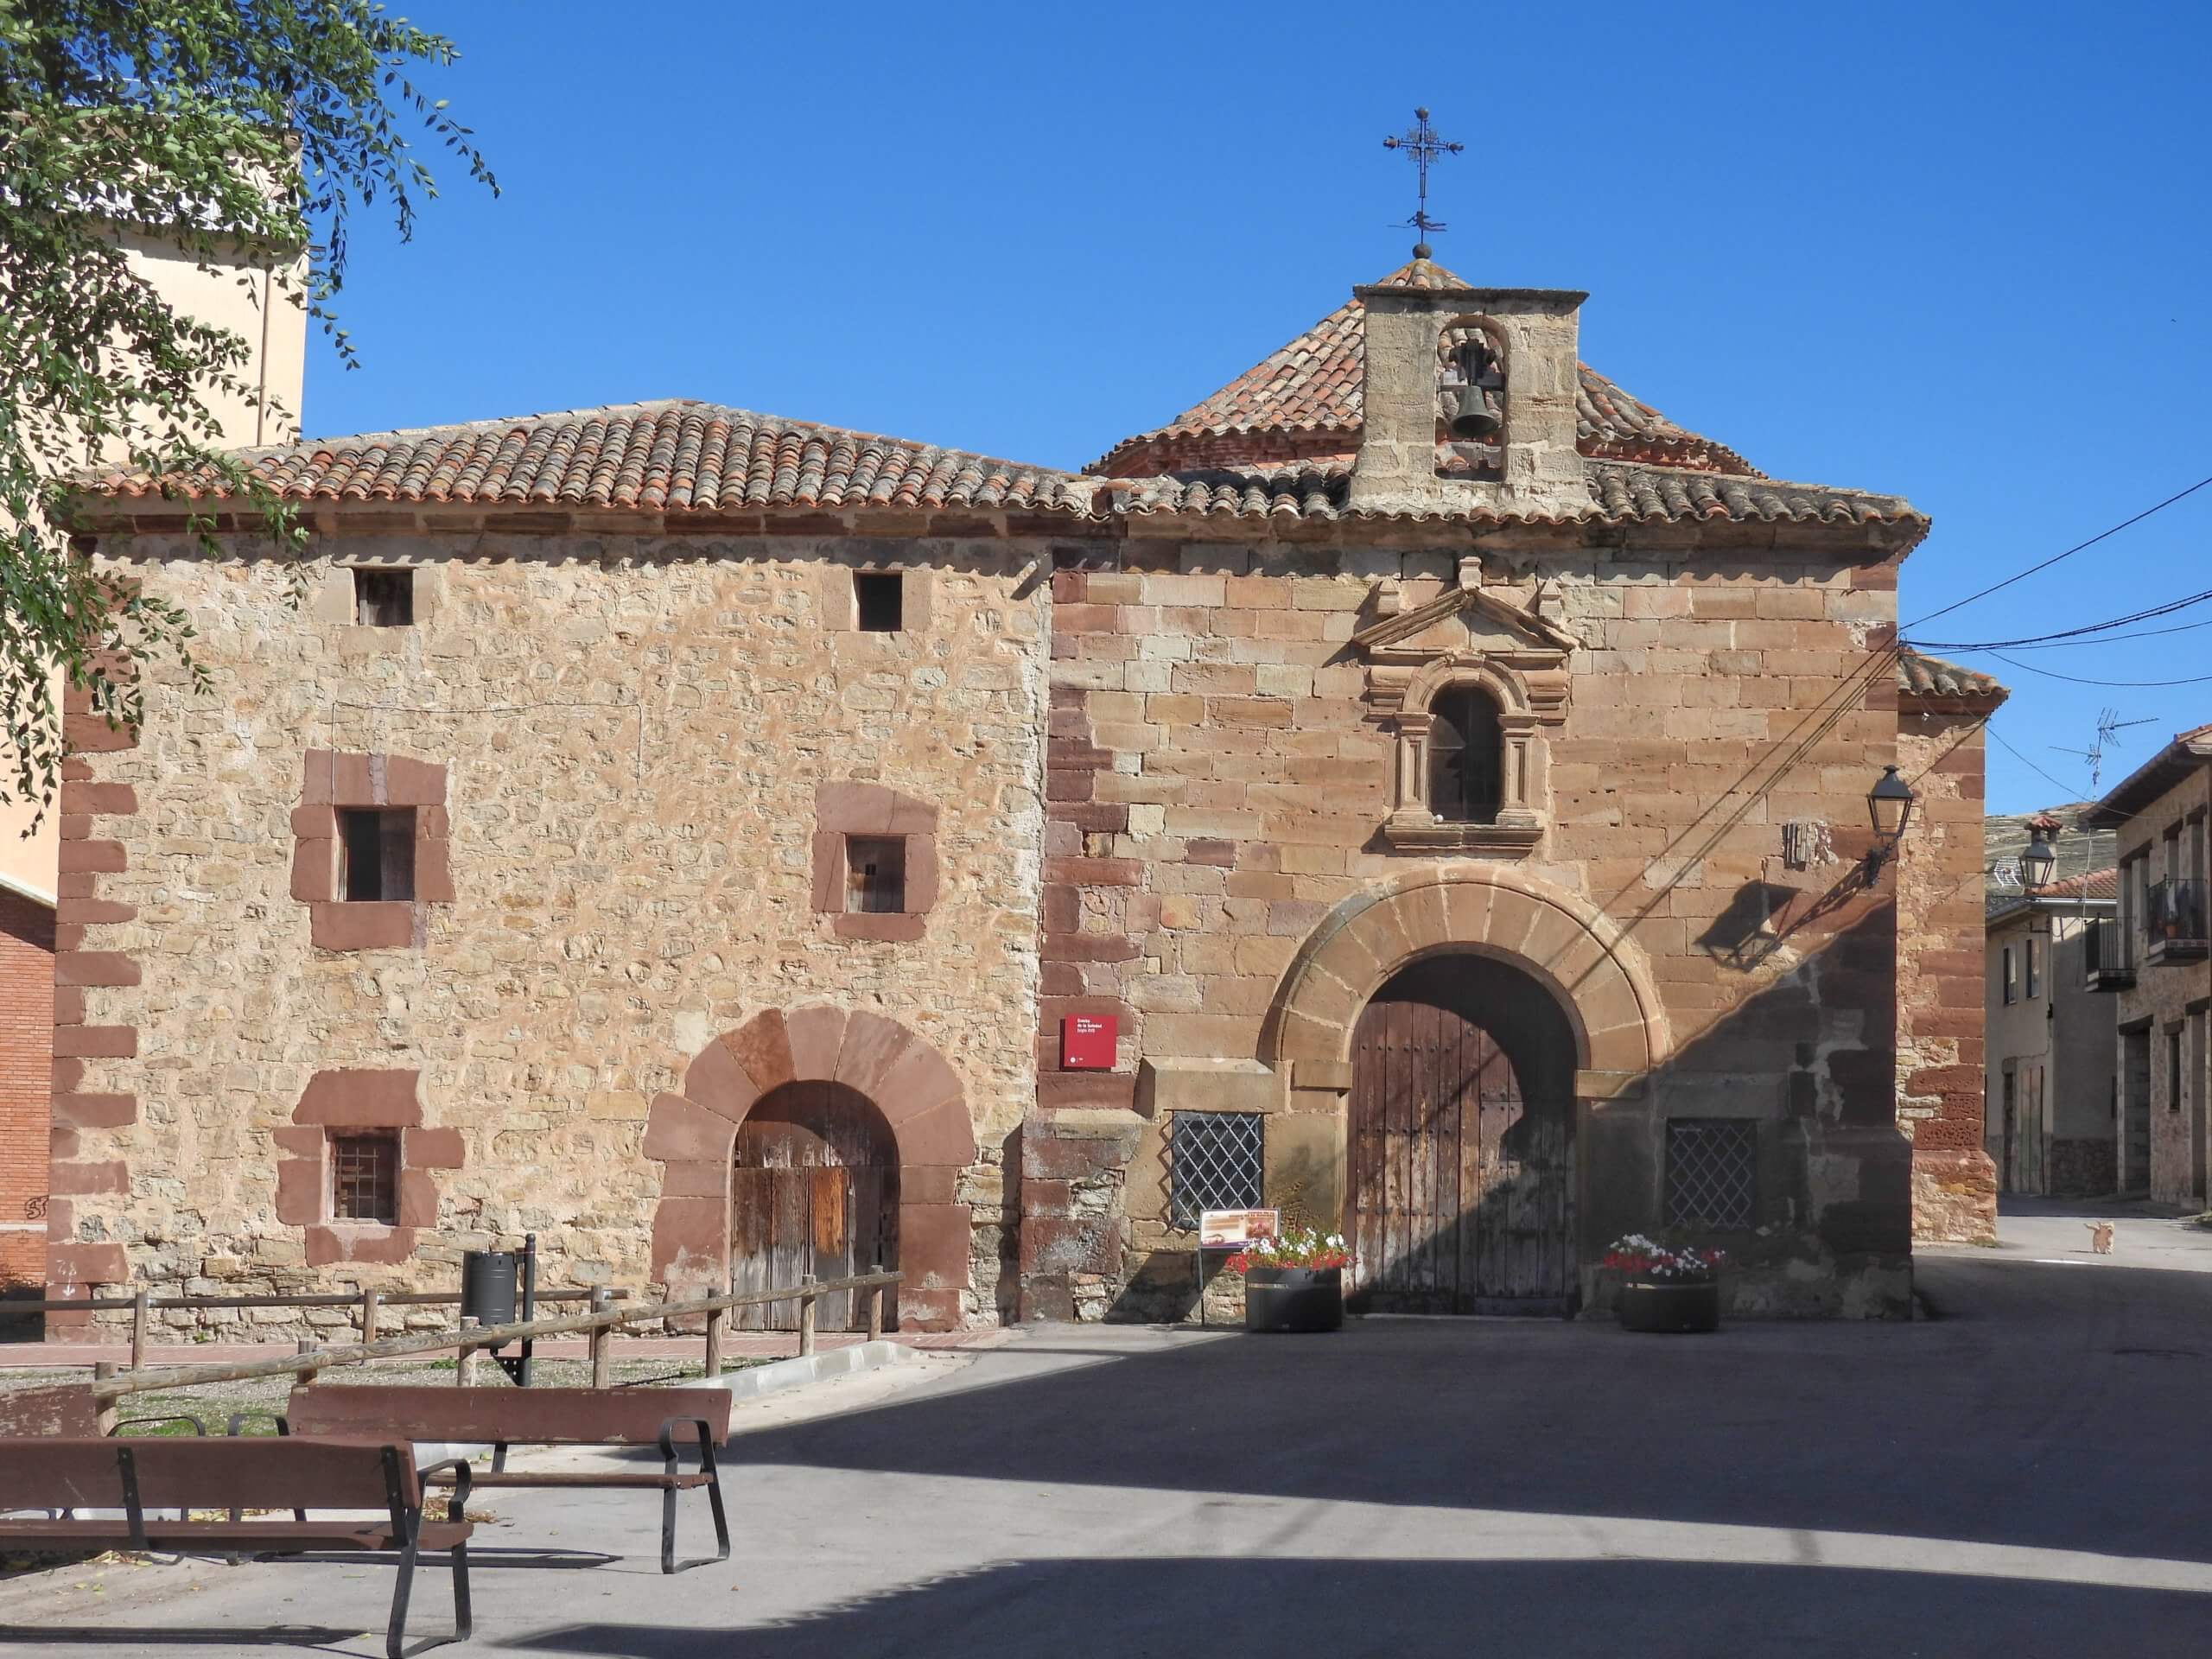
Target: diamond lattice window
[(1215, 1162), (1712, 1171)]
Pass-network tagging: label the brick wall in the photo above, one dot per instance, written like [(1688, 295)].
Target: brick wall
[(25, 1065)]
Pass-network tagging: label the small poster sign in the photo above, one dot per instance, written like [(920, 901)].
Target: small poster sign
[(1232, 1230), (1087, 1042)]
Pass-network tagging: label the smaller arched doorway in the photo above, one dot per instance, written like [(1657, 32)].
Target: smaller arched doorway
[(1461, 1144), (814, 1194)]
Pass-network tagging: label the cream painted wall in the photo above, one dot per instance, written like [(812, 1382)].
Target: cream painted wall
[(244, 297)]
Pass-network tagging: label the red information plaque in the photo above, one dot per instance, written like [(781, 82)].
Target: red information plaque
[(1087, 1042)]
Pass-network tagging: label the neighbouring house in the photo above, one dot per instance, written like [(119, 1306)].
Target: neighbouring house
[(246, 296), (2053, 1091), (1420, 788), (2155, 957)]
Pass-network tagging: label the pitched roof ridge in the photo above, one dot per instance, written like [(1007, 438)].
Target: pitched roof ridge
[(440, 429)]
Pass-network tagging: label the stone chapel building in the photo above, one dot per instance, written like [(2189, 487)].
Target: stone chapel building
[(1439, 781)]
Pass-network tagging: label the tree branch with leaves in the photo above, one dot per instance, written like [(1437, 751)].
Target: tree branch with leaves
[(250, 131)]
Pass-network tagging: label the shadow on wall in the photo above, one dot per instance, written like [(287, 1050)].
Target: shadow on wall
[(1809, 1060)]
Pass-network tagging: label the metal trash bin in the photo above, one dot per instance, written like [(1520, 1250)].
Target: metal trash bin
[(487, 1285)]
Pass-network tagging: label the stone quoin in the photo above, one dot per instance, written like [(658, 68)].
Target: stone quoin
[(1463, 842)]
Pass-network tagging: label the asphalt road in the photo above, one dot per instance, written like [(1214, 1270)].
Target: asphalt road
[(2026, 1475)]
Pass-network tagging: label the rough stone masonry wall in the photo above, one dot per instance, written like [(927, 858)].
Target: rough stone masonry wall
[(632, 733), (1216, 784), (1940, 1055)]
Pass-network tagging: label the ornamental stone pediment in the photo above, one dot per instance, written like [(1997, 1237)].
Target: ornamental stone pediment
[(1468, 638)]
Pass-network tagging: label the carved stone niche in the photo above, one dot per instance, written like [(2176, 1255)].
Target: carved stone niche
[(1470, 637)]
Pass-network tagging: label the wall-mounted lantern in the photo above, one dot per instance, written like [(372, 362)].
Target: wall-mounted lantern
[(1888, 804), (2041, 859)]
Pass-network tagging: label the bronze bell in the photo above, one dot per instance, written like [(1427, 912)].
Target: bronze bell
[(1477, 414)]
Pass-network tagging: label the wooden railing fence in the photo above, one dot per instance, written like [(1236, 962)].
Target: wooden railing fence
[(368, 1300), (111, 1383)]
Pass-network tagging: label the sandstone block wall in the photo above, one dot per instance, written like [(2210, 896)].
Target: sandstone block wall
[(1217, 781), (632, 735), (1940, 1055)]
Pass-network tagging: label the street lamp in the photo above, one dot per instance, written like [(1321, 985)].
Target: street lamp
[(1888, 804), (2041, 859)]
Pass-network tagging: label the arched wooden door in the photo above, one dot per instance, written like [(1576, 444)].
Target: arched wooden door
[(814, 1194), (1461, 1190)]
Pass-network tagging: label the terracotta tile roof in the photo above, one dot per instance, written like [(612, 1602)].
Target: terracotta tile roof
[(673, 455), (1625, 493), (1311, 388), (1931, 677), (2095, 884)]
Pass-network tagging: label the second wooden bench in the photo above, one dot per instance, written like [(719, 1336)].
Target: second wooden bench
[(507, 1417)]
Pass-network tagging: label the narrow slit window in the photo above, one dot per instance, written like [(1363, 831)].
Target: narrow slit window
[(365, 1178), (875, 874), (880, 600), (377, 853), (383, 599)]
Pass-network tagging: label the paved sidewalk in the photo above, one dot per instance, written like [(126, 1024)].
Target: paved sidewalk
[(2056, 1230), (2023, 1477)]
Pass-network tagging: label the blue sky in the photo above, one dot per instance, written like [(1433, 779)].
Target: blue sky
[(1957, 252)]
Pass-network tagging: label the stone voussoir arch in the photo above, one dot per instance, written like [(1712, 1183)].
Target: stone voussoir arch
[(693, 1135), (1586, 959)]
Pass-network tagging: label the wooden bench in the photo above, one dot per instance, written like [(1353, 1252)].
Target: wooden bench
[(510, 1416), (69, 1410), (184, 1473)]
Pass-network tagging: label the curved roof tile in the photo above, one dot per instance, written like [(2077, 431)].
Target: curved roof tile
[(675, 456)]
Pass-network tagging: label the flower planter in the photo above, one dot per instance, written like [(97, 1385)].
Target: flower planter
[(1293, 1299), (1690, 1306)]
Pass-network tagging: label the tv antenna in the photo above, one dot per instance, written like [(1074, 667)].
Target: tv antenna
[(2109, 725)]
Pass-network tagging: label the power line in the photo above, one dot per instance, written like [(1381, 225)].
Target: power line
[(2076, 679), (2062, 644), (2149, 613), (2029, 764), (2068, 554)]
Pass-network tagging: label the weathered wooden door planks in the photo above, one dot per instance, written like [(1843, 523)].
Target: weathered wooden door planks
[(813, 1194), (1461, 1191)]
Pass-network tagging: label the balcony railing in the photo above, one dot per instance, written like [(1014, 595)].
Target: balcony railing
[(2108, 954), (2173, 923)]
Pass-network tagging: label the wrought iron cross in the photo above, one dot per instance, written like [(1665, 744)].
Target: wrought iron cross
[(1420, 140)]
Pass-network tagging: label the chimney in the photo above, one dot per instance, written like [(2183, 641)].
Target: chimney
[(1533, 334)]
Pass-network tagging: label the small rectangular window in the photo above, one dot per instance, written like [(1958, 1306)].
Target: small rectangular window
[(365, 1178), (875, 874), (2173, 1071), (1712, 1171), (383, 599), (377, 850), (1215, 1161), (2034, 968), (880, 600), (2011, 983)]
